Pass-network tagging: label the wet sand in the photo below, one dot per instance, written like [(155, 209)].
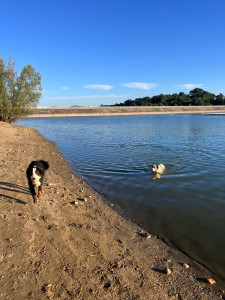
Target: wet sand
[(73, 245)]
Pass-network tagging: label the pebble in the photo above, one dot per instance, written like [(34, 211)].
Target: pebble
[(168, 271), (147, 236), (210, 281), (186, 266), (51, 184), (46, 287), (74, 202)]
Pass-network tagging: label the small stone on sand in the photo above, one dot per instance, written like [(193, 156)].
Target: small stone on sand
[(168, 271)]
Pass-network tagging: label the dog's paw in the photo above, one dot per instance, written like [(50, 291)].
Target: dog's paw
[(40, 193)]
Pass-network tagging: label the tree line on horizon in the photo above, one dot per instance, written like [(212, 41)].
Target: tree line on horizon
[(196, 96)]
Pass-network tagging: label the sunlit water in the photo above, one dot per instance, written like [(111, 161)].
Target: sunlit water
[(115, 155)]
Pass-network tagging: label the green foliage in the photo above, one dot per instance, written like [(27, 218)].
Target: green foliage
[(19, 95), (195, 97)]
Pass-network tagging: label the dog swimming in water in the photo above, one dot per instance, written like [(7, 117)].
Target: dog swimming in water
[(158, 170)]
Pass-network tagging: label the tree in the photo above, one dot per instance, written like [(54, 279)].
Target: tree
[(201, 97), (19, 95), (156, 100), (219, 100)]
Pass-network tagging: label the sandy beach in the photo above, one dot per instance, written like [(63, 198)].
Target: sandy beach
[(74, 245), (123, 110)]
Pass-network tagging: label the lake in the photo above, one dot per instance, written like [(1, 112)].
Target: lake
[(115, 155)]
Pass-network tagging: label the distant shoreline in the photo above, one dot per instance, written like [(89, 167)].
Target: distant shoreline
[(123, 110)]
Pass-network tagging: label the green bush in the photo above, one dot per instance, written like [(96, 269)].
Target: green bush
[(19, 95)]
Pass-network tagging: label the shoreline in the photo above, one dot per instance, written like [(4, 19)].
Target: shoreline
[(59, 249), (119, 111)]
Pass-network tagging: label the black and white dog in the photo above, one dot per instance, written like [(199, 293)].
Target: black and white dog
[(35, 175)]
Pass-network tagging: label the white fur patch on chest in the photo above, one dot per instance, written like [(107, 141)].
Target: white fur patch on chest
[(36, 179)]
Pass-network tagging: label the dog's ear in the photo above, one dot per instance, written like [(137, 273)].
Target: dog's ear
[(45, 164), (32, 164)]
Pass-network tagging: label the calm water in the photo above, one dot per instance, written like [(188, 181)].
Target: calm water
[(115, 155)]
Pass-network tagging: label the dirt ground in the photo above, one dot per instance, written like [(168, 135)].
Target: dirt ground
[(73, 245)]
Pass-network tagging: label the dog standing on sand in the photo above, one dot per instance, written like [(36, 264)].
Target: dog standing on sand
[(35, 176)]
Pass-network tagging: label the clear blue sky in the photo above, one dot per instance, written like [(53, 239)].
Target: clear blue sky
[(93, 52)]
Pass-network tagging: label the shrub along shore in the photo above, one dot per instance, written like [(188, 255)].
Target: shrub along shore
[(73, 245)]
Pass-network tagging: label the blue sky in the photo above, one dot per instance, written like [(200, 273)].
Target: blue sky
[(94, 52)]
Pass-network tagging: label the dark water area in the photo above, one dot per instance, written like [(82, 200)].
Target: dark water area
[(115, 154)]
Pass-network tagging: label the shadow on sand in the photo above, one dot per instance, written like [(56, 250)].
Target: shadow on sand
[(11, 187)]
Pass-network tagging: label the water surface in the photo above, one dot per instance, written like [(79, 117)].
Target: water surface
[(115, 155)]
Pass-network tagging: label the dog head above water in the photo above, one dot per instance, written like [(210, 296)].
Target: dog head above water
[(36, 171), (159, 169)]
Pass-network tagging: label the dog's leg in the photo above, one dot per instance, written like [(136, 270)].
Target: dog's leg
[(32, 191), (35, 199), (40, 190), (40, 187)]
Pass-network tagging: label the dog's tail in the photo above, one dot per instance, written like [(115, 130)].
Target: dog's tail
[(45, 164)]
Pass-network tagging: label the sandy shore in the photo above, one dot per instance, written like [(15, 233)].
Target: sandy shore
[(122, 110), (72, 245)]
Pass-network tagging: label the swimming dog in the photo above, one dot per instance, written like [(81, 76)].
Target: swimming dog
[(159, 169), (35, 176)]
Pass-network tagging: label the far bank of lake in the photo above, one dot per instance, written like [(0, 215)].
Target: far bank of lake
[(123, 110)]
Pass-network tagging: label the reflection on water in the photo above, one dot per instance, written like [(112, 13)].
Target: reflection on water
[(116, 154)]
